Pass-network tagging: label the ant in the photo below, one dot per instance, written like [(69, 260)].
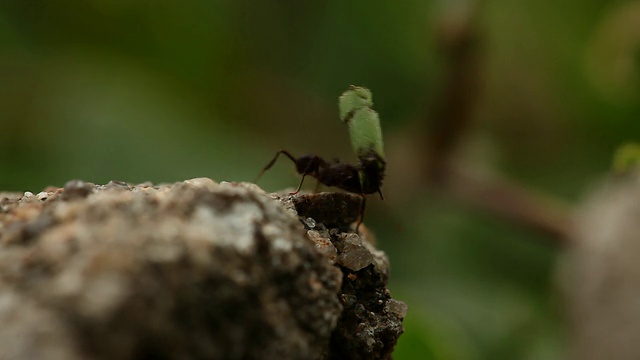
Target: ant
[(363, 179), (366, 139)]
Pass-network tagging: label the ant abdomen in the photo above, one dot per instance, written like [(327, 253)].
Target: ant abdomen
[(341, 175)]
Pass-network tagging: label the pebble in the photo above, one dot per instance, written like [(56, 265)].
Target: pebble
[(354, 255)]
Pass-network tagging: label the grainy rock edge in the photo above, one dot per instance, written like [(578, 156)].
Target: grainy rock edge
[(194, 269)]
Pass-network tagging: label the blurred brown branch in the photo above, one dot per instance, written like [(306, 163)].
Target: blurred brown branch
[(458, 39), (512, 201), (460, 42)]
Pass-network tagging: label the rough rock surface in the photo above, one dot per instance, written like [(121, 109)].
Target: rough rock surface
[(192, 270)]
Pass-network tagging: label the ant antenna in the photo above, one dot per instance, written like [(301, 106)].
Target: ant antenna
[(307, 170), (273, 161), (299, 185)]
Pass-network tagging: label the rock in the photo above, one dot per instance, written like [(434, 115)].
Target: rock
[(371, 321), (77, 189), (600, 274), (331, 209), (194, 269), (354, 255)]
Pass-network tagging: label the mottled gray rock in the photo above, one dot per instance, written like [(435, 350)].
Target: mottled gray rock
[(192, 270), (371, 321), (600, 274)]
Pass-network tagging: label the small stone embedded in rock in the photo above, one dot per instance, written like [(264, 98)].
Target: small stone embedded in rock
[(9, 197), (28, 197), (201, 182), (325, 246), (397, 308), (76, 189), (310, 223), (314, 235), (354, 255), (348, 300), (117, 185)]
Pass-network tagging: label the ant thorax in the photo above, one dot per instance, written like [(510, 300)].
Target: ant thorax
[(341, 175)]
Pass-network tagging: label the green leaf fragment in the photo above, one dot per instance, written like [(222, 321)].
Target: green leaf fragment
[(627, 158), (363, 122), (365, 133), (354, 99)]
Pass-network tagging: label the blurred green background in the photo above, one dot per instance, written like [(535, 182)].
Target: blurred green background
[(164, 91)]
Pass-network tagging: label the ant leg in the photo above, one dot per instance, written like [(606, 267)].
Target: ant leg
[(380, 192), (299, 185), (315, 189), (304, 173), (361, 217), (273, 161)]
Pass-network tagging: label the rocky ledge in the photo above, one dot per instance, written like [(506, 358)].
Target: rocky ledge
[(192, 270)]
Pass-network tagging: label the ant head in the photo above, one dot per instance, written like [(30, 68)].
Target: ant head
[(372, 172), (308, 164)]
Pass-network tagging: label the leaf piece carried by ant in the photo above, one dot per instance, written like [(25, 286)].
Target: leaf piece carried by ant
[(363, 122), (329, 208)]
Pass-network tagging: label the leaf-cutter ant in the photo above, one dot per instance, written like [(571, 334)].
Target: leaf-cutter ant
[(366, 140)]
